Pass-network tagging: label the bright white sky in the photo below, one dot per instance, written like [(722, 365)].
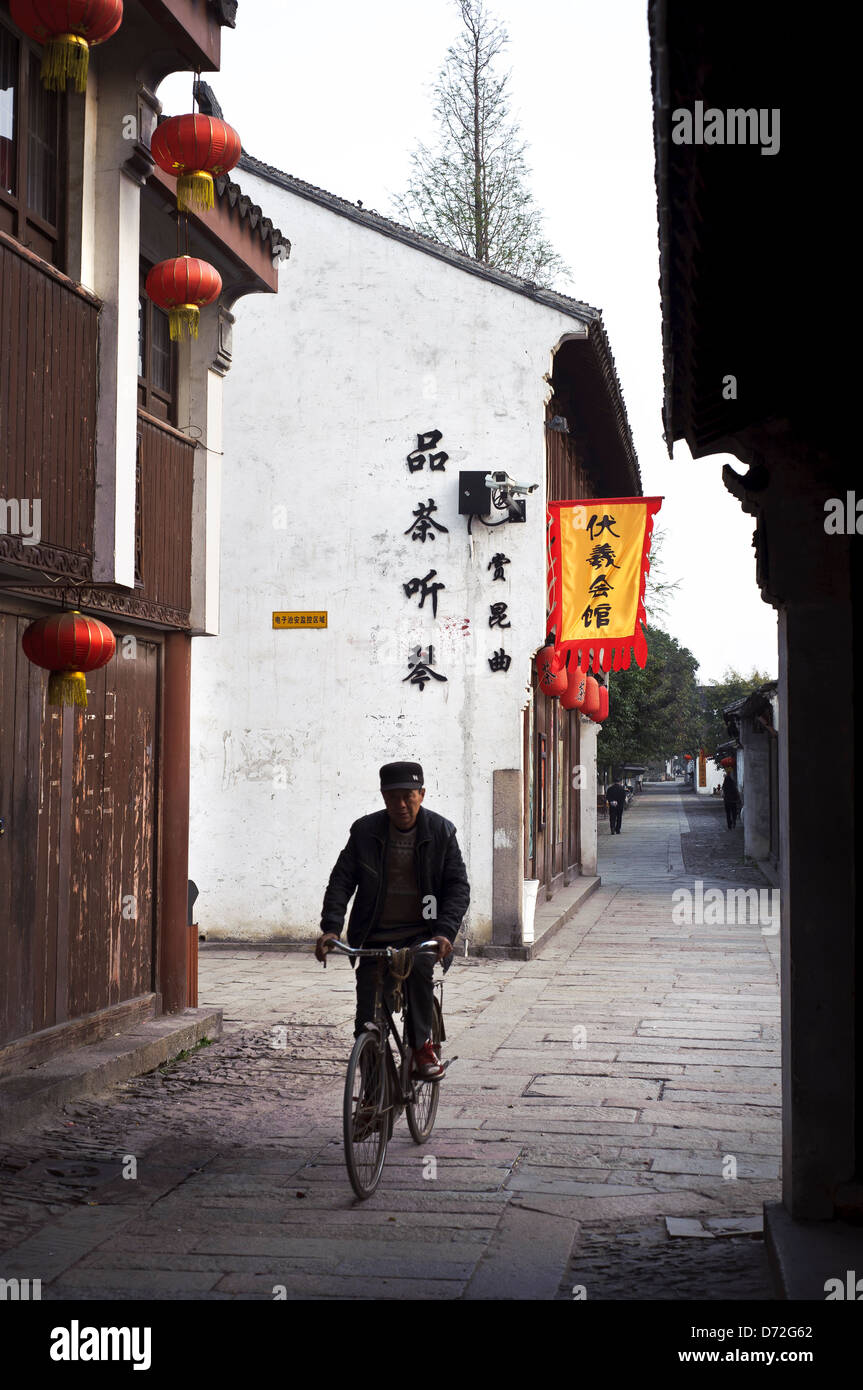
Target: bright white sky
[(338, 94)]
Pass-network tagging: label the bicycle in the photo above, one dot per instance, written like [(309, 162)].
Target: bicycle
[(377, 1089)]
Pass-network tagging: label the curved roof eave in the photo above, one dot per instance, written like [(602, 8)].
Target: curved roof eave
[(375, 221)]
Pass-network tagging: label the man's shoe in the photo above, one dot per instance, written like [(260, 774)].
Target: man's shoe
[(427, 1065)]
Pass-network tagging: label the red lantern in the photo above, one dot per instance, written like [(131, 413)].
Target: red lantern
[(68, 644), (591, 696), (192, 149), (552, 671), (602, 711), (67, 29), (573, 696), (688, 757), (182, 286), (727, 762)]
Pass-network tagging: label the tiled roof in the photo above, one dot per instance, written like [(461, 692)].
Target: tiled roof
[(378, 223), (231, 192), (226, 12)]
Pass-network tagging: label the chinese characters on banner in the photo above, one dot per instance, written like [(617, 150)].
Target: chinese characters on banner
[(598, 553)]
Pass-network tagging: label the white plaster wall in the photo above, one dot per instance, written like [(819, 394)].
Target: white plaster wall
[(714, 776), (368, 343)]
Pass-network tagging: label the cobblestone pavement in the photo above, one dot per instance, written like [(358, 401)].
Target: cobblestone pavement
[(709, 847), (640, 1262), (628, 1074)]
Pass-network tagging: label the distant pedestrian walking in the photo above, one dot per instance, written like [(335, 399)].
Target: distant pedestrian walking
[(616, 798), (732, 798)]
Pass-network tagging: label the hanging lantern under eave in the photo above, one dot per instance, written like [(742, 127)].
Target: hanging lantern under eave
[(591, 696), (68, 645), (67, 30), (573, 696), (552, 671), (192, 149), (182, 286), (602, 711)]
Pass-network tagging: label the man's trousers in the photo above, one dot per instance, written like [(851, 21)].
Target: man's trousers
[(418, 991), (615, 815)]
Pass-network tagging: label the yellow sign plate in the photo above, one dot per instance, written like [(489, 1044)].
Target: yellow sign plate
[(305, 620)]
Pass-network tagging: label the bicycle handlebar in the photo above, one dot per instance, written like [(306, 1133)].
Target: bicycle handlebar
[(422, 946)]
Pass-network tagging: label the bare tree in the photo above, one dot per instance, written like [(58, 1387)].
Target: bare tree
[(470, 190), (657, 589)]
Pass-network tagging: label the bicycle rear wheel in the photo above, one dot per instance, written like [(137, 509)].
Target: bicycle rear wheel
[(366, 1115), (423, 1109)]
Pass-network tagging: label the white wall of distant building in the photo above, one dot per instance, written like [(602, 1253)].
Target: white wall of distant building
[(369, 343)]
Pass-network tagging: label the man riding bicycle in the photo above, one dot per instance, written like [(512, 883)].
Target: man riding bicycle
[(411, 885)]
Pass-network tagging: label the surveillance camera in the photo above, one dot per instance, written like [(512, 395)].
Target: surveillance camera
[(502, 482)]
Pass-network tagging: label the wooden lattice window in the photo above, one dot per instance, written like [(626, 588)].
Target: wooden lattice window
[(32, 150), (157, 359)]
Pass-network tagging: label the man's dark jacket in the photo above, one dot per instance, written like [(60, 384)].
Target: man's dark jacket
[(362, 866), (616, 793)]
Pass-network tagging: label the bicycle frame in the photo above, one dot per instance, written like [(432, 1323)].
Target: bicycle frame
[(376, 1089), (384, 1024), (404, 1088)]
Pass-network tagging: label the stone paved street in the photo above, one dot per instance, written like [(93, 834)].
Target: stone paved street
[(627, 1075)]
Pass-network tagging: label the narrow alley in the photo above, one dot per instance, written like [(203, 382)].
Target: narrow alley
[(610, 1129)]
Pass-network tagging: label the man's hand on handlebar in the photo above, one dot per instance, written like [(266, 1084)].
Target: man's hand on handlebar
[(322, 947), (327, 940)]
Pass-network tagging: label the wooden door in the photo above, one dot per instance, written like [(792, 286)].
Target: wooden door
[(112, 833), (552, 816), (31, 905), (78, 796)]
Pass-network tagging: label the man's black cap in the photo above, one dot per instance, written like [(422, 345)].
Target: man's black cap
[(401, 777)]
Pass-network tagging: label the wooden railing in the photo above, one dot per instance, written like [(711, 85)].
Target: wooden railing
[(48, 388), (163, 525)]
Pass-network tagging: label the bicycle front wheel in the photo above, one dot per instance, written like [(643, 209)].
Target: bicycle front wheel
[(366, 1115), (423, 1108)]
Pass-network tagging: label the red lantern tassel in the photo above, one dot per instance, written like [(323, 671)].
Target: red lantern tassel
[(67, 688), (184, 316), (195, 191), (65, 56)]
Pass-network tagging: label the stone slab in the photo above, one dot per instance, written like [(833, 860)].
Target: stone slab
[(526, 1257)]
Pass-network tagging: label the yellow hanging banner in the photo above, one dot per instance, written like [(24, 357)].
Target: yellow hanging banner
[(598, 561)]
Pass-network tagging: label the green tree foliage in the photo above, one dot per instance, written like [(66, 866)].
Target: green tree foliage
[(662, 710), (718, 696), (469, 190), (653, 713)]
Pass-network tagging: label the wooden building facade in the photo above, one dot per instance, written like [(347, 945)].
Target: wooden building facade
[(589, 453), (110, 451)]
